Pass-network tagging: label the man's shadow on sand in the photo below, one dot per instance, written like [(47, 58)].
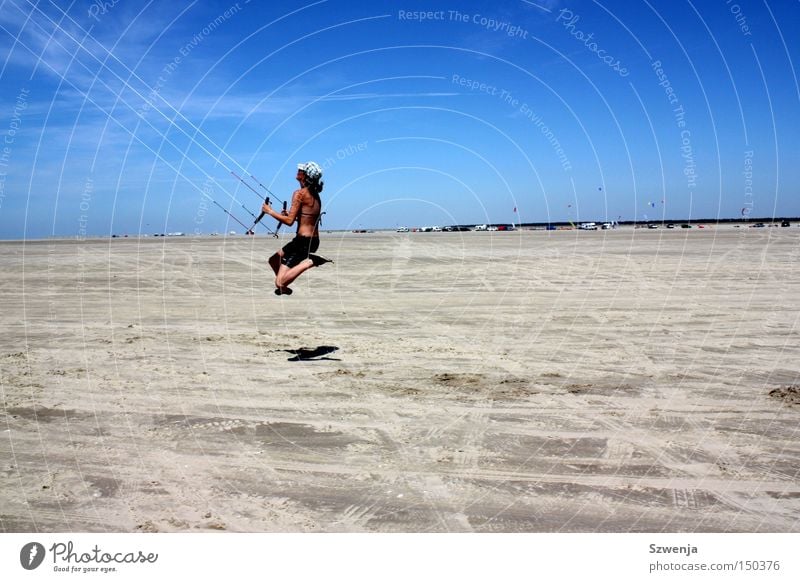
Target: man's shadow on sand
[(306, 354)]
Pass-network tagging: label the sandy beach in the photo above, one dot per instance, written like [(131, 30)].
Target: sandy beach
[(607, 381)]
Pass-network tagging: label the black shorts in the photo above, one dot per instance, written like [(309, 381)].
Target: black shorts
[(298, 250)]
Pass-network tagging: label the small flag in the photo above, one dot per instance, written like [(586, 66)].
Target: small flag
[(515, 209)]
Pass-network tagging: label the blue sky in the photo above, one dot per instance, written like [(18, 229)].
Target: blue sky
[(128, 117)]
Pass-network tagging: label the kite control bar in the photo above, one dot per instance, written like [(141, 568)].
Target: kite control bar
[(260, 216), (266, 201), (275, 234)]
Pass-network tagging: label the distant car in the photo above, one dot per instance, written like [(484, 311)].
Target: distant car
[(482, 227), (652, 226), (758, 225), (437, 229), (402, 229), (492, 228), (670, 226), (588, 226), (686, 226), (785, 223), (606, 226)]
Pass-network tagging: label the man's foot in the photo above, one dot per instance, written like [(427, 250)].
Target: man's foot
[(318, 260), (283, 291)]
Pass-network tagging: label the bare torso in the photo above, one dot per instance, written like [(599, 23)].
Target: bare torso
[(307, 210)]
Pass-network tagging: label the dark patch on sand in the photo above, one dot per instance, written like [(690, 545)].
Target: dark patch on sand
[(106, 486), (479, 385), (460, 380), (44, 414), (527, 448), (789, 394), (783, 494), (187, 421), (302, 436)]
